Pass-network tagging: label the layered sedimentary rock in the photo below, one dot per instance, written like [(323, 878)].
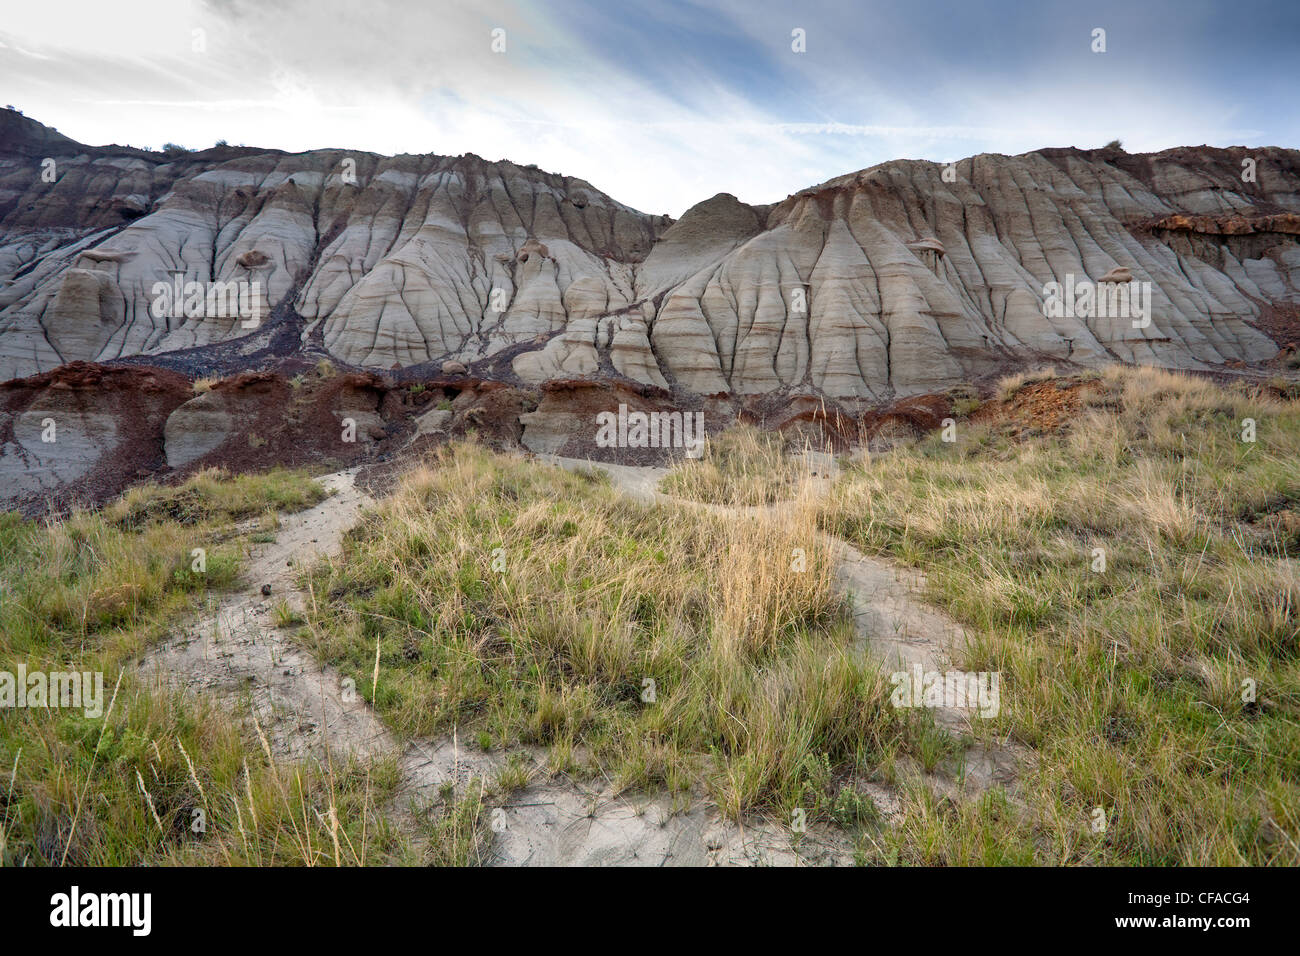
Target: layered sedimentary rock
[(80, 432), (896, 280), (83, 432)]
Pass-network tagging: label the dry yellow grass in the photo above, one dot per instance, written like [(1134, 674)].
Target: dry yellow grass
[(1129, 676), (1010, 384), (525, 604), (742, 466)]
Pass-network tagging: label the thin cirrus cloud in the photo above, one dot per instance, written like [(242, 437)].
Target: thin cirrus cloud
[(660, 105)]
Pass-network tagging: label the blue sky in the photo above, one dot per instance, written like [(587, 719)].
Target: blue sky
[(661, 104)]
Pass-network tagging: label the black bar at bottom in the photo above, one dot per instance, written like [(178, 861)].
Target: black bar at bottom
[(336, 907)]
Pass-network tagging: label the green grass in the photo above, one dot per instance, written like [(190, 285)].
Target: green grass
[(211, 495), (1127, 682), (160, 777), (522, 604)]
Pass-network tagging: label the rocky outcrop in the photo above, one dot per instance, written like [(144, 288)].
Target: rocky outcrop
[(890, 315), (567, 422), (81, 432), (883, 283)]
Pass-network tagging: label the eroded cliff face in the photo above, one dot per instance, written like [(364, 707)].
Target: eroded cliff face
[(891, 312), (892, 281)]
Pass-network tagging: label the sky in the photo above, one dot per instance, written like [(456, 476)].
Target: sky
[(660, 104)]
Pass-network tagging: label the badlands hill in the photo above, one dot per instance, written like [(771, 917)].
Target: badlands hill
[(423, 297), (888, 282)]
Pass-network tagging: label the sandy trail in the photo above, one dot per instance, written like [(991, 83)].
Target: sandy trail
[(559, 821), (236, 652), (891, 617), (236, 649)]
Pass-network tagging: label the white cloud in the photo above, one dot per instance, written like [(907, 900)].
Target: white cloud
[(390, 77)]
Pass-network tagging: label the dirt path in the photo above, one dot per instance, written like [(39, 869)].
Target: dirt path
[(236, 652), (560, 821), (891, 617)]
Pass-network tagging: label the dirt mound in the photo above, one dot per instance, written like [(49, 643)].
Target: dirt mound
[(802, 420), (82, 433), (323, 418), (905, 419), (566, 423), (1038, 407)]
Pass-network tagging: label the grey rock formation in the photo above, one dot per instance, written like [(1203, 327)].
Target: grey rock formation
[(878, 284), (199, 426)]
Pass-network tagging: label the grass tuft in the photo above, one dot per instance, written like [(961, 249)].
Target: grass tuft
[(1132, 680)]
